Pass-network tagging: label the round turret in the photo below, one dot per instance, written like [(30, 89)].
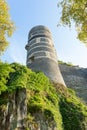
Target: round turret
[(41, 54)]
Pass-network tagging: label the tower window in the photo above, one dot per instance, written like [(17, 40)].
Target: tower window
[(31, 59)]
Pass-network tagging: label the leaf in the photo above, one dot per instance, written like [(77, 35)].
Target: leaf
[(6, 25), (75, 10)]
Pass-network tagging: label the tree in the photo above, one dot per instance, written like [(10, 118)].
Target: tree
[(75, 10), (6, 25)]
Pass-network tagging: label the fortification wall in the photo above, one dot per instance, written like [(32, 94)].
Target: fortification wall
[(41, 56), (75, 78)]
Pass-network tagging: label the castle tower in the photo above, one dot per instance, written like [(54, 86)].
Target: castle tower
[(41, 54)]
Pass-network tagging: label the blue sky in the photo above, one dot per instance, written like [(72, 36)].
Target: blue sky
[(29, 13)]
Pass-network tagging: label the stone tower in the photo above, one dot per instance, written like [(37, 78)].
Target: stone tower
[(41, 54)]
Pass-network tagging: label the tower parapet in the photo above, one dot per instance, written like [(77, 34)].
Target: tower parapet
[(41, 54)]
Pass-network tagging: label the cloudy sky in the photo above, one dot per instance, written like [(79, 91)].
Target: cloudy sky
[(29, 13)]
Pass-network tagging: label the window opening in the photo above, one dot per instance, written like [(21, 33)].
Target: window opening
[(31, 59)]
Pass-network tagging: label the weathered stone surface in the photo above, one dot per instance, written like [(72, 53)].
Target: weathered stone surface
[(14, 115), (41, 54), (40, 122), (15, 112), (75, 78)]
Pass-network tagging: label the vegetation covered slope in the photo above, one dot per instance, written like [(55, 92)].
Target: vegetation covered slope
[(57, 104)]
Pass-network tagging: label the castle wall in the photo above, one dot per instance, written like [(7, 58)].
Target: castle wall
[(75, 78), (41, 56)]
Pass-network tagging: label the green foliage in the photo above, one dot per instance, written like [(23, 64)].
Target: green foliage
[(5, 70), (74, 113), (75, 10), (43, 97), (64, 63), (18, 79), (66, 110), (6, 25)]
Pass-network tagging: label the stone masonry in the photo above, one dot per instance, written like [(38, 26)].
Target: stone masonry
[(75, 77), (41, 54)]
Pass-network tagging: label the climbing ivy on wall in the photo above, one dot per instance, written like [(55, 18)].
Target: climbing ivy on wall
[(64, 108)]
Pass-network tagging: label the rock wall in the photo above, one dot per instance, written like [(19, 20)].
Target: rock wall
[(13, 114), (41, 122), (75, 78)]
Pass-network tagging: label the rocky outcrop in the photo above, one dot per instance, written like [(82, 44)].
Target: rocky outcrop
[(29, 101), (13, 114), (41, 122), (75, 78)]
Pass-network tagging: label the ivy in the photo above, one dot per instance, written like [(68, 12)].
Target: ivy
[(66, 110), (5, 70)]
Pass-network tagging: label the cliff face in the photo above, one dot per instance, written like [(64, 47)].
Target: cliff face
[(75, 78), (29, 101), (14, 112)]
